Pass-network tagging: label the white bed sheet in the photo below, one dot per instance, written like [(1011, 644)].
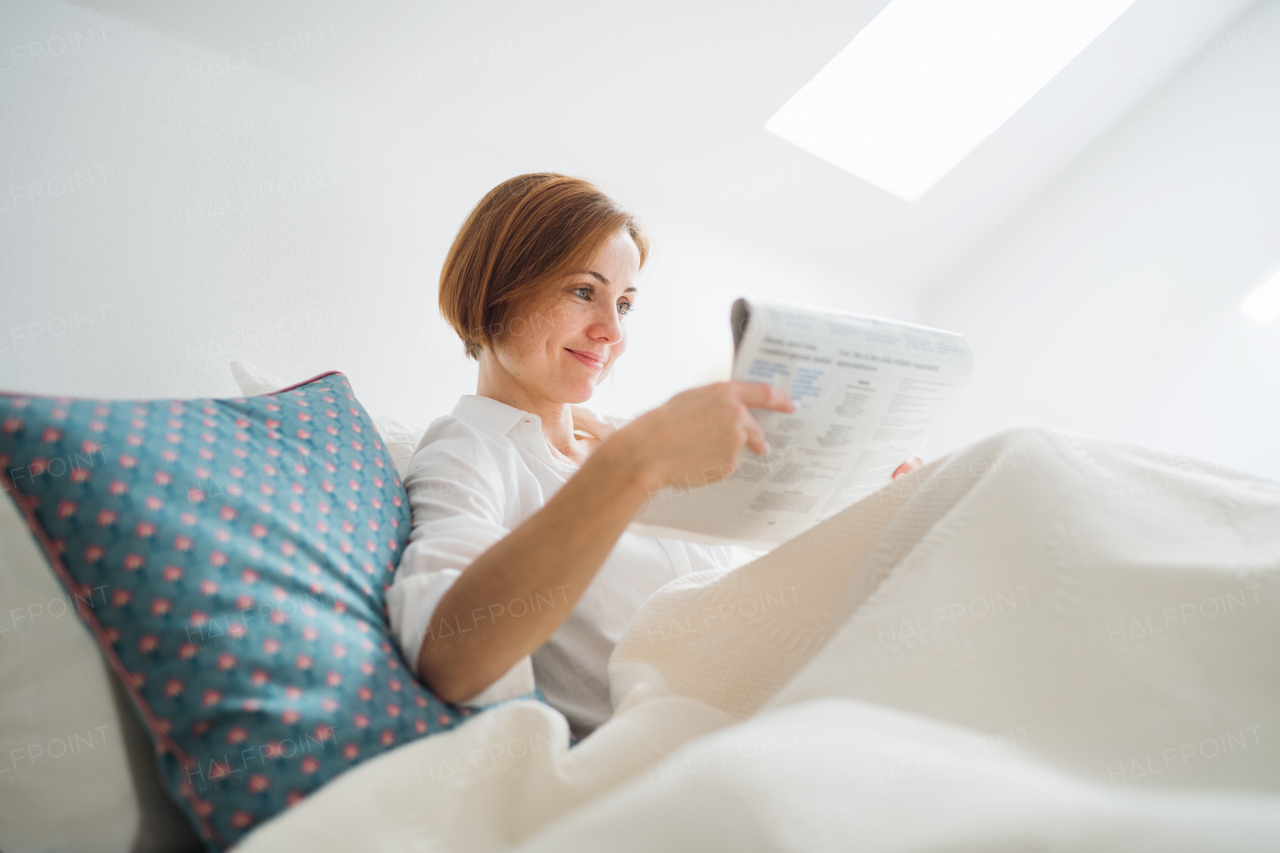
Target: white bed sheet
[(869, 700)]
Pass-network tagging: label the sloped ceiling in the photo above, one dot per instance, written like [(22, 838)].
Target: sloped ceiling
[(667, 100)]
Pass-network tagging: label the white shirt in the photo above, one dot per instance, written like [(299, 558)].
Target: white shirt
[(477, 475)]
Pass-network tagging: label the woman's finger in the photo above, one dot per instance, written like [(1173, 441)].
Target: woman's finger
[(761, 395), (755, 435), (907, 467)]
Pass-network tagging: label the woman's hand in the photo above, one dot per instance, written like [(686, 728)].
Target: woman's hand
[(697, 435), (907, 467), (696, 438)]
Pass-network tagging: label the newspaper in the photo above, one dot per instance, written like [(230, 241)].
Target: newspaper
[(868, 392)]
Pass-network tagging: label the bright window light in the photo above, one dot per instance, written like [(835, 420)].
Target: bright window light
[(927, 80), (1263, 304)]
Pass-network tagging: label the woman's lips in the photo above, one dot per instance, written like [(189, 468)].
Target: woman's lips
[(586, 359)]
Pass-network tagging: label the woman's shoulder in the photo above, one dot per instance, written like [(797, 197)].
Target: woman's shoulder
[(450, 442)]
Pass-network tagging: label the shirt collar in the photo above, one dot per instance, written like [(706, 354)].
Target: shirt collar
[(490, 415)]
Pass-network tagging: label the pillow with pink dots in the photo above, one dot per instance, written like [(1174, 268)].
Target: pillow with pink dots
[(400, 439), (230, 558)]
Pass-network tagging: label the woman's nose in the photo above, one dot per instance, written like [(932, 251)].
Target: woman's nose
[(608, 325)]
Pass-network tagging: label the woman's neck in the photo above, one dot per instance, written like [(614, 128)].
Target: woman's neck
[(556, 417)]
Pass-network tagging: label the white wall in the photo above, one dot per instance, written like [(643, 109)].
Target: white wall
[(1111, 304), (162, 212)]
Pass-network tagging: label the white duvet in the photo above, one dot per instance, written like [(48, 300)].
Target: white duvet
[(1041, 642)]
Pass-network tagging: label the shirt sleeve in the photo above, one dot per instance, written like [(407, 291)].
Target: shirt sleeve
[(456, 497)]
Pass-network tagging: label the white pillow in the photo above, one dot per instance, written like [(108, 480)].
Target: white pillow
[(77, 771), (400, 439)]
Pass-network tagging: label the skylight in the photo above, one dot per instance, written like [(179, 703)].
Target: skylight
[(927, 80), (1263, 305)]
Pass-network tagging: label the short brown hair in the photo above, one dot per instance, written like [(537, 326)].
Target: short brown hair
[(525, 232)]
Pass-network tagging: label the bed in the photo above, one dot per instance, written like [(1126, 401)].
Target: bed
[(1040, 641)]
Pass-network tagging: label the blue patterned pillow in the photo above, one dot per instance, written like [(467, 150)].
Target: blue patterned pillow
[(231, 557)]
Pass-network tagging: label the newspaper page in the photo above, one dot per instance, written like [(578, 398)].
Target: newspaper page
[(868, 392)]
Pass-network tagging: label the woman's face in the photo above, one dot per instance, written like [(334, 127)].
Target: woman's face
[(567, 341)]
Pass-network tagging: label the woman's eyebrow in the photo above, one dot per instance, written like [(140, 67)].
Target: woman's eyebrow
[(605, 281)]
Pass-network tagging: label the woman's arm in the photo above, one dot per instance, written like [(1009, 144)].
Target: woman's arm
[(698, 435)]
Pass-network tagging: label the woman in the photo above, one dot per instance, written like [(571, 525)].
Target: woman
[(518, 569)]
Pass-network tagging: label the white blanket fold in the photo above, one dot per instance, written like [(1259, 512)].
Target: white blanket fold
[(1038, 642)]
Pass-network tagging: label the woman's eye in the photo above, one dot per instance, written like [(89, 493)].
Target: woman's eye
[(624, 307), (584, 292)]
